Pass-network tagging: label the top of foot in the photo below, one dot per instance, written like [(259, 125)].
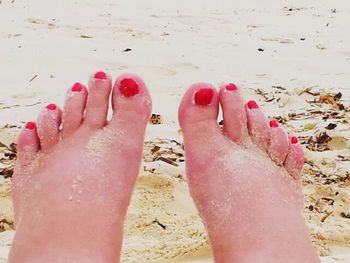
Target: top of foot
[(76, 171), (244, 178)]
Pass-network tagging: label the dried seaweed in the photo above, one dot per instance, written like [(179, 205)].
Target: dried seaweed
[(156, 119)]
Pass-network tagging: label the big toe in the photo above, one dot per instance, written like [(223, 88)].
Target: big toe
[(124, 135), (132, 107), (198, 113)]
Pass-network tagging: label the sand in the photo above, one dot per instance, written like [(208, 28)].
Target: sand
[(273, 51)]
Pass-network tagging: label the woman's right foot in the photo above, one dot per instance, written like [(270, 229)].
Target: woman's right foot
[(244, 179), (72, 186)]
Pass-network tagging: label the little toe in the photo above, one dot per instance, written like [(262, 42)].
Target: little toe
[(49, 122), (295, 159), (97, 102), (257, 125), (235, 118), (73, 112), (279, 144), (28, 144), (198, 113)]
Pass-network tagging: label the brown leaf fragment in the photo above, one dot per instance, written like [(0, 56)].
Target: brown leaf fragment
[(6, 172), (5, 225), (331, 126), (343, 158), (332, 100), (155, 149), (345, 215), (156, 119), (319, 142), (337, 96)]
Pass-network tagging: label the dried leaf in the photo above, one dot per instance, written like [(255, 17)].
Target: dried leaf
[(331, 126), (156, 119)]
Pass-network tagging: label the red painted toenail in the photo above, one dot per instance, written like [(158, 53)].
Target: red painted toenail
[(273, 124), (100, 75), (51, 107), (77, 87), (128, 87), (252, 105), (294, 140), (30, 125), (231, 87), (203, 97)]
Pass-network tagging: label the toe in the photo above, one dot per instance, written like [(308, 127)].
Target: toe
[(132, 109), (49, 122), (125, 133), (235, 118), (28, 144), (74, 108), (198, 117), (295, 159), (97, 103), (279, 144), (257, 125)]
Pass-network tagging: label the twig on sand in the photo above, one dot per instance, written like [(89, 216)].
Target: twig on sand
[(326, 216), (167, 160), (34, 77)]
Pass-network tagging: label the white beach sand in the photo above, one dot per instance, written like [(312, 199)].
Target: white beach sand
[(46, 47)]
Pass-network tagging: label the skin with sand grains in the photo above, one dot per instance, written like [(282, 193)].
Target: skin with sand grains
[(244, 179), (57, 203)]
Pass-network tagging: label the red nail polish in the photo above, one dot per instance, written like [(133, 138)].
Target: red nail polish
[(203, 97), (128, 87), (100, 75), (77, 87), (51, 107), (30, 125), (231, 87), (273, 124), (294, 140), (252, 105)]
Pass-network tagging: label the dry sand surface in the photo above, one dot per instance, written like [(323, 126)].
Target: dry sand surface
[(291, 56)]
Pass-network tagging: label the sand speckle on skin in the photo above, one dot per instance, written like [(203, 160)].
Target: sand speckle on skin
[(99, 144)]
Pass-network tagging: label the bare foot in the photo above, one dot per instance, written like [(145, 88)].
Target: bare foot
[(244, 179), (72, 186)]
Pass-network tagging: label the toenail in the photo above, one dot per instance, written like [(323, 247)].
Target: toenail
[(231, 87), (100, 75), (77, 87), (294, 140), (203, 97), (273, 124), (252, 105), (30, 125), (128, 87), (51, 107)]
